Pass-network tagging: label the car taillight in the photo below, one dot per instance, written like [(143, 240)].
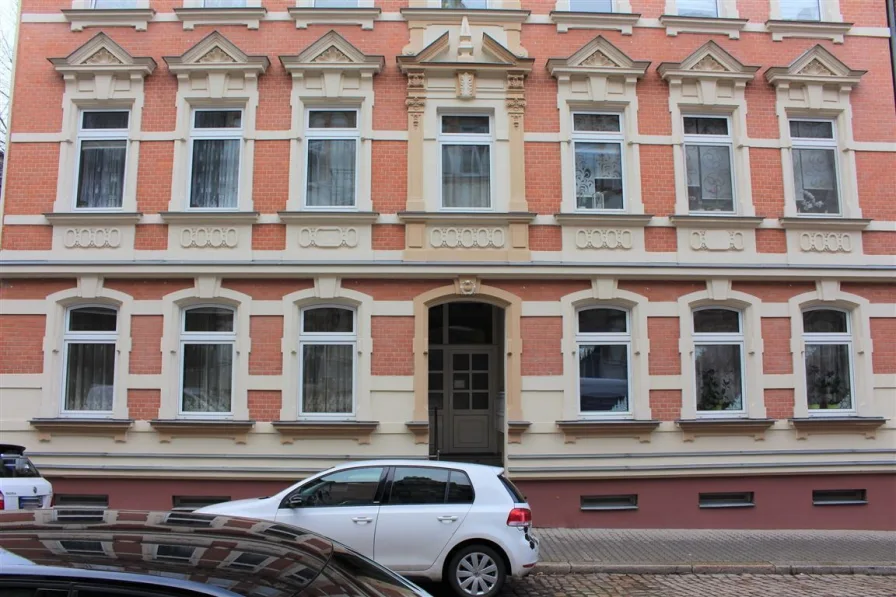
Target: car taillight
[(2, 501), (519, 517)]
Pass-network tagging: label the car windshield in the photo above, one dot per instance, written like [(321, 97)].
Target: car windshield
[(369, 577), (518, 498), (17, 466)]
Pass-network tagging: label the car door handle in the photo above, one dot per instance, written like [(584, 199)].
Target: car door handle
[(446, 518), (362, 519)]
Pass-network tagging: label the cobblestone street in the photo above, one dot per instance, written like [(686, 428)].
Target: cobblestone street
[(723, 585)]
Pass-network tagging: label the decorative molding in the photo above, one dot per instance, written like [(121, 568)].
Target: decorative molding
[(364, 17), (114, 428), (604, 238), (328, 217), (817, 65), (91, 238), (467, 238), (781, 30), (466, 286), (598, 57), (169, 429), (812, 223), (692, 428), (328, 237), (466, 85), (717, 240), (420, 429), (676, 24), (471, 218), (88, 218), (515, 430), (826, 242), (720, 222), (209, 237), (583, 429), (599, 219), (360, 431), (250, 16), (613, 21), (709, 61), (209, 217), (332, 53), (102, 56), (81, 18), (866, 426), (216, 53)]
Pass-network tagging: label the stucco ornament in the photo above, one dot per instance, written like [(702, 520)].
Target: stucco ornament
[(332, 54), (708, 63), (216, 54), (598, 58), (816, 68), (467, 286), (466, 85), (103, 56)]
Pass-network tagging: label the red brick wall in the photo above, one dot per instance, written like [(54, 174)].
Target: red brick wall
[(883, 333), (543, 178), (541, 345), (774, 292), (267, 290), (771, 241), (148, 290), (268, 237), (535, 290), (388, 237), (664, 356), (143, 405), (266, 357), (146, 344), (776, 357), (28, 238), (393, 290), (874, 292), (546, 238), (660, 240), (393, 345), (32, 289), (665, 405), (21, 343), (879, 243), (31, 173), (779, 404), (657, 179), (270, 182), (154, 170), (389, 177), (151, 237), (661, 290), (264, 405), (767, 179)]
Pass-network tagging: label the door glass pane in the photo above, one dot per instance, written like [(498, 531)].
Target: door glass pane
[(328, 320), (436, 360), (466, 174), (331, 172), (480, 362), (709, 178), (460, 489), (824, 321), (480, 401), (207, 376), (418, 485), (436, 325), (436, 381), (827, 376), (470, 323), (599, 176), (216, 165), (354, 487), (603, 378), (716, 321), (815, 177), (327, 378), (480, 381), (92, 319), (460, 362), (90, 375), (461, 401), (101, 173), (718, 374)]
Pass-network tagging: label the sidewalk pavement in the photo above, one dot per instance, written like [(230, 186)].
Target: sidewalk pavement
[(667, 551)]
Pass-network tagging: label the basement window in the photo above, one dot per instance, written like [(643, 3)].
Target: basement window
[(742, 499), (839, 497), (188, 503), (189, 520), (609, 502), (73, 500)]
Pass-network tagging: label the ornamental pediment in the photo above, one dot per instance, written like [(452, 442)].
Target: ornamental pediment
[(815, 65), (102, 55), (216, 53), (332, 52), (598, 57), (709, 61)]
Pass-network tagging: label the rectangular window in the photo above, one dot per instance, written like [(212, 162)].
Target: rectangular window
[(216, 141), (82, 547), (609, 502), (800, 10), (328, 345), (698, 8), (336, 3), (828, 354), (112, 4), (89, 360), (718, 361), (597, 145), (208, 342), (815, 167), (839, 497), (604, 345), (332, 140), (742, 499), (707, 145), (102, 155), (188, 503), (591, 5), (72, 500), (175, 553), (466, 143), (465, 4)]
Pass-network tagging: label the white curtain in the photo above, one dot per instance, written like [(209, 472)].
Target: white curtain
[(719, 377), (327, 378), (90, 377), (101, 173), (827, 376), (331, 172), (465, 176), (709, 178), (599, 175), (216, 164), (208, 375), (815, 177)]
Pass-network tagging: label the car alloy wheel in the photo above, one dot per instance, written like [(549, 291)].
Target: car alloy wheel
[(478, 572)]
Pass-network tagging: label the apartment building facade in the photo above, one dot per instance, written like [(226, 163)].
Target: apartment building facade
[(639, 252)]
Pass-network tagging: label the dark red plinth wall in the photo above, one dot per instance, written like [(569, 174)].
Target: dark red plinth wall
[(781, 502)]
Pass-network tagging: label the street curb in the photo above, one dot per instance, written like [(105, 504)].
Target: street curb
[(561, 568)]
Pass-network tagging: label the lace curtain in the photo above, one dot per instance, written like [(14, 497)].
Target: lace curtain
[(216, 164), (208, 376), (815, 178), (466, 172), (331, 172), (101, 174), (719, 377), (827, 376), (709, 178), (599, 176), (90, 377), (327, 378)]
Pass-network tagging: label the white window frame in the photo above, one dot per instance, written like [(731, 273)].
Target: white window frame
[(711, 141), (720, 339), (92, 4), (718, 14), (100, 135), (599, 137), (345, 4), (468, 139), (70, 337), (831, 144), (838, 339), (489, 4), (818, 6), (328, 135), (567, 5), (605, 339), (203, 338), (328, 338), (202, 134)]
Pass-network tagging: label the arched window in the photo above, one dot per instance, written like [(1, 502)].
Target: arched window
[(207, 346), (89, 352), (718, 360), (604, 341), (828, 360), (327, 348)]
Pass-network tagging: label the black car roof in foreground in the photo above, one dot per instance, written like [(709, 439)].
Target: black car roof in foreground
[(206, 553)]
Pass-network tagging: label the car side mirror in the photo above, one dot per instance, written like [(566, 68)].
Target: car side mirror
[(295, 501)]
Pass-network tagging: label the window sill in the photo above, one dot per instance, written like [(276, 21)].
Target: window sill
[(328, 217), (603, 219), (480, 16), (93, 217), (584, 429), (168, 429), (515, 430), (250, 16), (209, 217), (711, 221), (614, 21), (334, 16), (76, 425), (472, 217), (691, 428), (781, 29), (676, 24), (823, 223), (360, 431), (866, 426), (80, 18)]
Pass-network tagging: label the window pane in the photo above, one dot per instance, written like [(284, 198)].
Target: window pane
[(697, 8), (460, 4), (354, 487), (827, 376), (327, 378), (602, 321), (89, 376), (824, 321), (417, 485), (591, 5), (603, 378), (216, 170), (224, 3), (599, 176), (105, 120), (467, 125), (208, 319), (329, 320), (719, 377), (208, 374), (112, 4), (460, 489), (596, 122), (800, 10), (341, 119), (466, 173), (331, 172), (815, 178), (92, 319), (470, 323), (716, 321), (812, 129), (101, 173), (709, 178), (219, 119), (705, 126), (436, 325)]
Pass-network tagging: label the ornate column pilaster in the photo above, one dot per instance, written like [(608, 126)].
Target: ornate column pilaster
[(416, 104), (516, 108)]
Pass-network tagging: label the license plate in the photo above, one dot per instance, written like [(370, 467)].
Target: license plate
[(30, 503)]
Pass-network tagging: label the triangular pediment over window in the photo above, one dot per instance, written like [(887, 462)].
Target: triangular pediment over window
[(332, 52), (709, 61), (101, 55), (216, 53), (598, 57), (815, 65)]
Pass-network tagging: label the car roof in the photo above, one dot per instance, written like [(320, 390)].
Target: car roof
[(464, 466), (197, 550), (11, 449)]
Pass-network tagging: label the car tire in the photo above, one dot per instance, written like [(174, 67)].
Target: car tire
[(476, 571)]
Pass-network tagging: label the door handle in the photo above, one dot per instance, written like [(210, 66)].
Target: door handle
[(446, 518), (362, 519)]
